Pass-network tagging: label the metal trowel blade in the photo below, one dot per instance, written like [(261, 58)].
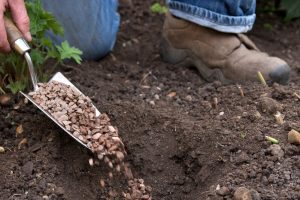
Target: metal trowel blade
[(59, 77)]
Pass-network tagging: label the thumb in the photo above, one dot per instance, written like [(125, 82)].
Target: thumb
[(20, 17)]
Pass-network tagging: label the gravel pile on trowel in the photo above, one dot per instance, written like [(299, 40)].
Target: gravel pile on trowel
[(76, 113)]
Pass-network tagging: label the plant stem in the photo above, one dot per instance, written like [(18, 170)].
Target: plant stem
[(261, 78), (273, 140), (1, 90)]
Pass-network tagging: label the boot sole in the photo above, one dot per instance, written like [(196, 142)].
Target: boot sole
[(186, 58)]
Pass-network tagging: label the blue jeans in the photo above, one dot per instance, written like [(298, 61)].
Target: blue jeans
[(90, 25), (231, 16)]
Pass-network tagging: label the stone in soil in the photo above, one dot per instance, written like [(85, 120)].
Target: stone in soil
[(294, 137)]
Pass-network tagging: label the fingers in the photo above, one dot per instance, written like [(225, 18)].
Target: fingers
[(4, 45), (20, 17)]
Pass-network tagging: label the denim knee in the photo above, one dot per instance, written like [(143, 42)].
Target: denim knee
[(223, 15), (91, 25)]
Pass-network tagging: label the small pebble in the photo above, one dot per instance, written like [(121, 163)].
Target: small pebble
[(91, 162), (152, 103), (102, 183), (294, 137), (111, 129), (189, 98), (110, 175)]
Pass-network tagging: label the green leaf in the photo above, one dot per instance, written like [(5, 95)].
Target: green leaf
[(68, 52), (53, 24), (1, 70), (53, 53), (157, 8), (41, 20), (37, 56), (44, 78), (46, 42), (292, 7), (16, 86)]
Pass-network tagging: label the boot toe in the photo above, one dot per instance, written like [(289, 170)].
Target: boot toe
[(280, 74)]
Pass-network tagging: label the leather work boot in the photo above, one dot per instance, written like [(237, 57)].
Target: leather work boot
[(218, 56)]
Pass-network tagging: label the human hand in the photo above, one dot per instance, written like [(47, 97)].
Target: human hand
[(20, 18)]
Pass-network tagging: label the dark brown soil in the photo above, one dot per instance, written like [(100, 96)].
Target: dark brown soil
[(183, 146)]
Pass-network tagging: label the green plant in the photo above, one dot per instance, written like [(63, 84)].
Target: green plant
[(292, 8), (65, 51), (261, 78), (268, 26), (14, 73), (157, 8)]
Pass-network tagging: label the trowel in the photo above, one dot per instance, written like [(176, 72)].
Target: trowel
[(19, 44)]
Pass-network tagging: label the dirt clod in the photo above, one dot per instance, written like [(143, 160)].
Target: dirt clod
[(60, 191), (276, 151), (5, 100), (242, 193), (223, 191), (28, 168), (270, 105)]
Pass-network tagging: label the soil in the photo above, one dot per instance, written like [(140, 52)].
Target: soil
[(183, 136)]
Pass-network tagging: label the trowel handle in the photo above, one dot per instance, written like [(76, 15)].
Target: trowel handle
[(15, 37), (12, 31)]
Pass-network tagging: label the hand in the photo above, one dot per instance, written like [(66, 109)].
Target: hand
[(20, 18)]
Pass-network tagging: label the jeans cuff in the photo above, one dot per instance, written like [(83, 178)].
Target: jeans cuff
[(207, 18)]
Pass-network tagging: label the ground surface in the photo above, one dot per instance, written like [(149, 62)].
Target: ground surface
[(180, 145)]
